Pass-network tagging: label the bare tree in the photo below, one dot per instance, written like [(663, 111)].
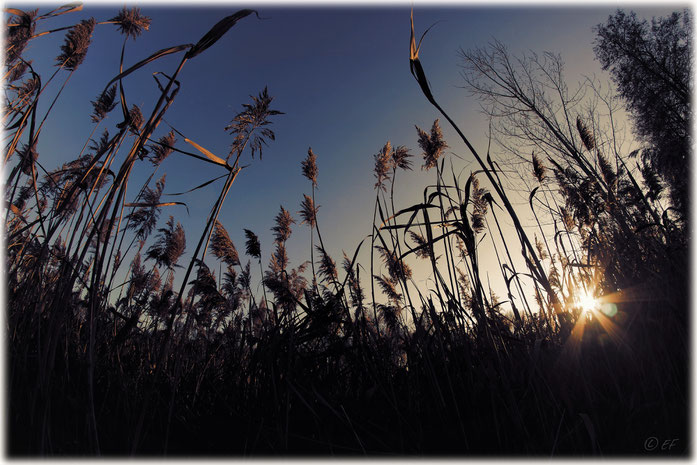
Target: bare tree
[(537, 118), (531, 106)]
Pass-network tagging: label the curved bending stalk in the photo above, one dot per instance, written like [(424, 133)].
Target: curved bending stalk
[(418, 72)]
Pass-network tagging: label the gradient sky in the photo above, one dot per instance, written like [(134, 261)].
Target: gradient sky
[(340, 74)]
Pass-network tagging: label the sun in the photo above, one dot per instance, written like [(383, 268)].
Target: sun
[(587, 302)]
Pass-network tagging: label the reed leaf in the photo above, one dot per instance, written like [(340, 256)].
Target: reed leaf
[(150, 205), (218, 31), (215, 159), (150, 59), (200, 186), (61, 10)]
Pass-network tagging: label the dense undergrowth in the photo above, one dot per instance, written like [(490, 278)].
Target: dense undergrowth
[(586, 354)]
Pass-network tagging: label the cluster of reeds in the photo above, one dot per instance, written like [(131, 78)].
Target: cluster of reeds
[(319, 357)]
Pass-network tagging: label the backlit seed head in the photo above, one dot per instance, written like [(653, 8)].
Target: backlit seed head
[(131, 22)]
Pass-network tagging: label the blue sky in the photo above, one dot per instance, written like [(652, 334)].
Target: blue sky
[(340, 75)]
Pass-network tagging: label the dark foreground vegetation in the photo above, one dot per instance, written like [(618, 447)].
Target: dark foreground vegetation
[(586, 354)]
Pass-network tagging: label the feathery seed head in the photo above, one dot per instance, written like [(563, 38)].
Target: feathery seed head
[(479, 204), (433, 145), (223, 247), (540, 249), (28, 155), (327, 266), (282, 228), (17, 36), (132, 22), (390, 315), (18, 71), (609, 175), (104, 104), (309, 211), (143, 219), (538, 169), (77, 41), (383, 161), (170, 245), (25, 193), (400, 158), (155, 281), (310, 167), (135, 120), (138, 277), (397, 269), (254, 116), (389, 288), (28, 88), (100, 146), (424, 250), (162, 149), (567, 219), (252, 244), (653, 183), (586, 136), (279, 259)]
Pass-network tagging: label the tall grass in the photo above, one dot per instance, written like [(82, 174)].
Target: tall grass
[(587, 354)]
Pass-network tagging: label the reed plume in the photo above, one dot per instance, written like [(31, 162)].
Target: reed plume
[(401, 158), (170, 245), (396, 267), (27, 155), (479, 204), (327, 266), (538, 169), (144, 218), (135, 120), (77, 42), (252, 244), (389, 288), (28, 88), (433, 145), (223, 247), (18, 70), (608, 174), (162, 149), (282, 228), (279, 259), (131, 22), (586, 136), (18, 35), (383, 161), (100, 146), (104, 104), (423, 249), (308, 212), (309, 167), (245, 124)]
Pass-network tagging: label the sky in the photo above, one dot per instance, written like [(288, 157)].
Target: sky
[(341, 76)]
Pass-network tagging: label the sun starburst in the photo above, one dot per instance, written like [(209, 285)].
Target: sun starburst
[(587, 302)]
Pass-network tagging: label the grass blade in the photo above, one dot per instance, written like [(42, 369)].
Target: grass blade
[(150, 59), (218, 31)]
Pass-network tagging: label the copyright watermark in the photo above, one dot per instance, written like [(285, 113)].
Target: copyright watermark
[(652, 444)]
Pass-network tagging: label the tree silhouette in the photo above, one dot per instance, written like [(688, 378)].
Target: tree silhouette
[(650, 63)]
